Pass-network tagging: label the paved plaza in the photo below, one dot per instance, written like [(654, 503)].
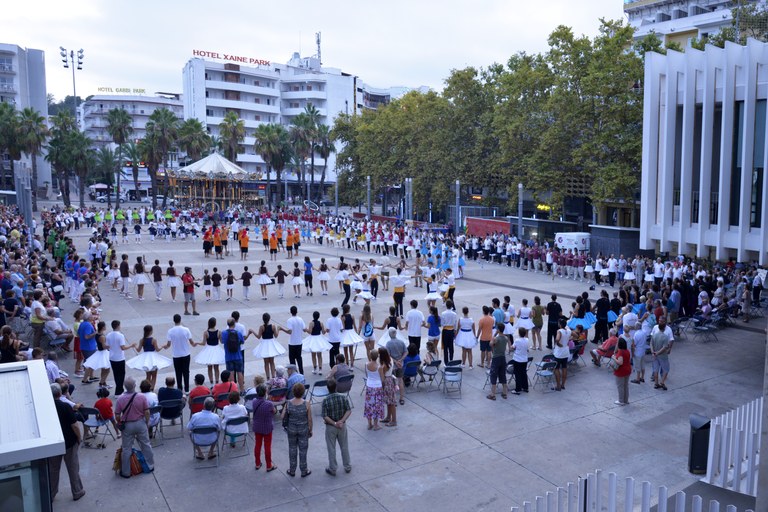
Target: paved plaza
[(466, 453)]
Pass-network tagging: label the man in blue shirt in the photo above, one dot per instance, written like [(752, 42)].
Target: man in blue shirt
[(202, 419), (233, 355), (294, 377), (87, 334)]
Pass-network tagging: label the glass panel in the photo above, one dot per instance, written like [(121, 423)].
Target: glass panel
[(756, 196), (738, 143)]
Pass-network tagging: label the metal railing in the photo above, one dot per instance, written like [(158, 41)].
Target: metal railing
[(588, 495)]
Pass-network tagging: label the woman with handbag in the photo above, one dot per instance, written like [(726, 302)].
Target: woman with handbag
[(621, 363), (298, 413)]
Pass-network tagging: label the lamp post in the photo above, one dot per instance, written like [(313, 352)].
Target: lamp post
[(68, 58), (368, 192), (520, 212)]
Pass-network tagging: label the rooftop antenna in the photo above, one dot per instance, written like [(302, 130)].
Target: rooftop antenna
[(317, 40)]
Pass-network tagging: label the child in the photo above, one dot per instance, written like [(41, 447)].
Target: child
[(297, 280), (152, 231), (216, 282), (124, 232), (246, 277), (207, 285), (280, 276), (230, 284), (78, 353), (137, 232), (431, 356), (113, 234), (104, 406)]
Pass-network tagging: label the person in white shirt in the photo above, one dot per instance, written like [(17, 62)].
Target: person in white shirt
[(239, 327), (414, 321), (117, 346), (231, 412), (449, 321), (180, 340), (520, 361), (295, 327), (333, 330)]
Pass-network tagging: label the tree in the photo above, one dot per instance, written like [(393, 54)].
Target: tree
[(105, 164), (133, 154), (748, 20), (119, 127), (193, 139), (67, 105), (313, 122), (33, 132), (80, 158), (57, 151), (9, 138), (273, 145), (284, 152), (149, 148), (350, 179), (165, 126), (324, 147), (301, 137), (232, 133)]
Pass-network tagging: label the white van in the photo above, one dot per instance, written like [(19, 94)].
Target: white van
[(568, 241)]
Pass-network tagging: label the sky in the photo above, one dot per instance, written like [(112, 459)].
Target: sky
[(144, 44)]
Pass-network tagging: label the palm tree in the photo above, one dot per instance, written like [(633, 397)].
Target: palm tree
[(9, 138), (133, 154), (313, 121), (119, 127), (106, 161), (33, 133), (274, 146), (80, 158), (284, 153), (232, 133), (62, 124), (215, 146), (324, 148), (149, 149), (193, 139), (300, 138), (166, 128)]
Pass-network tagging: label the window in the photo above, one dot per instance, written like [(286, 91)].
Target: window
[(294, 105), (738, 144), (209, 112), (758, 155), (256, 100), (309, 87), (207, 94), (257, 117), (256, 83)]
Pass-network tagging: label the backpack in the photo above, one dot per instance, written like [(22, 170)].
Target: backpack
[(233, 343)]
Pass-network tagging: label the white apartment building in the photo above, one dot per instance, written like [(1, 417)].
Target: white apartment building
[(680, 20), (704, 153), (94, 112), (274, 93), (22, 84)]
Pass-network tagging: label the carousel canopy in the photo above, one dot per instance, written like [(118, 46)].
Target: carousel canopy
[(215, 166)]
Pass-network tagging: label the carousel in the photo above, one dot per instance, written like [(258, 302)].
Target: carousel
[(216, 183)]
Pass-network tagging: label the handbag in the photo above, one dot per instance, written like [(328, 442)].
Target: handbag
[(613, 364), (285, 418), (121, 425), (136, 465)]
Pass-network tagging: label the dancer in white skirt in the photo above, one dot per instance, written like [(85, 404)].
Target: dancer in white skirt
[(263, 279), (149, 361), (269, 348), (366, 329), (141, 277), (524, 316), (212, 355), (432, 294), (323, 276), (392, 321), (365, 291), (174, 281), (113, 275), (349, 337), (296, 280), (466, 338), (316, 342), (100, 359)]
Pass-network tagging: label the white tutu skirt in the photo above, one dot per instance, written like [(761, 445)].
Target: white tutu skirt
[(148, 361), (589, 269), (113, 273), (349, 338), (443, 288), (465, 339), (174, 282), (323, 276), (264, 279), (98, 361), (648, 278), (141, 279), (604, 272), (317, 343), (365, 294), (356, 285), (382, 342), (338, 277), (629, 276), (525, 322), (508, 328), (297, 281), (210, 355), (433, 296), (268, 348)]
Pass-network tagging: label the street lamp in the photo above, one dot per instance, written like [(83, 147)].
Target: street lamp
[(68, 58)]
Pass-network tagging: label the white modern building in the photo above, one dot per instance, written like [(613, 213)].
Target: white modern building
[(680, 20), (95, 110), (704, 153), (22, 84), (273, 93)]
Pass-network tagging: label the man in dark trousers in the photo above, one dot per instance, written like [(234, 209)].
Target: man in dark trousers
[(554, 312)]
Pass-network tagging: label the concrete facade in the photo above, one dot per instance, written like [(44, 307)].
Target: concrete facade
[(704, 135)]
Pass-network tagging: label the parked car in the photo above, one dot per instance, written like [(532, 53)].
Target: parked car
[(112, 196), (171, 201)]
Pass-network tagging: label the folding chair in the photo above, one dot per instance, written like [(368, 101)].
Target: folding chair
[(680, 327), (248, 402), (432, 370), (278, 398), (344, 386), (319, 390), (205, 431), (530, 363), (154, 426), (415, 366), (452, 377), (222, 397), (575, 354), (93, 420), (544, 375), (199, 400), (231, 438), (171, 410), (704, 331)]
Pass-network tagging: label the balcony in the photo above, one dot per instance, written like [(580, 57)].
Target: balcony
[(243, 105), (304, 95), (7, 69), (6, 87), (236, 86)]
